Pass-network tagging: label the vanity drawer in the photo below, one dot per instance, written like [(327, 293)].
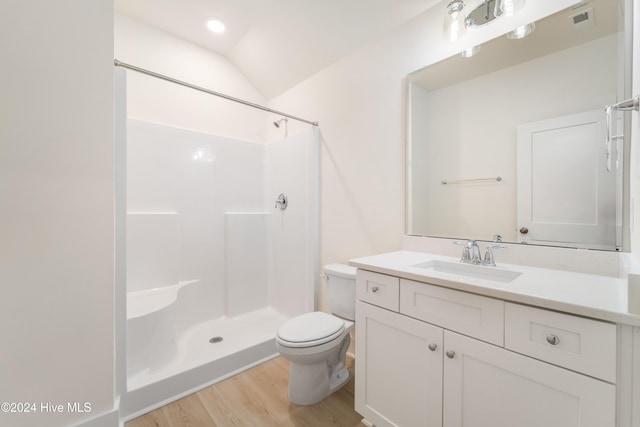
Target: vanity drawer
[(378, 289), (473, 315), (577, 343)]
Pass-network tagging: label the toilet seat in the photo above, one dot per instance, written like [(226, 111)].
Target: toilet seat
[(310, 329)]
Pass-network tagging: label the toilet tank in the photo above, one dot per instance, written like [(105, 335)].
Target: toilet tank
[(341, 290)]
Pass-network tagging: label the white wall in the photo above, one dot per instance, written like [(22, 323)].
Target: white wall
[(159, 101), (358, 102), (56, 208)]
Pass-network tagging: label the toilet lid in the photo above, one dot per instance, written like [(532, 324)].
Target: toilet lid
[(311, 329)]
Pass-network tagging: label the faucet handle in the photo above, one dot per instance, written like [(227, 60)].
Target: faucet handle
[(465, 257), (488, 255)]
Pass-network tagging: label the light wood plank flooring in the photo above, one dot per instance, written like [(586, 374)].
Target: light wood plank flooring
[(256, 397)]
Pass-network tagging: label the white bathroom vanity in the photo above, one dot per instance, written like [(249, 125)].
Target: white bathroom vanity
[(442, 343)]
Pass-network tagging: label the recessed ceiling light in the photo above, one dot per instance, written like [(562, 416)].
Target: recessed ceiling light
[(215, 26)]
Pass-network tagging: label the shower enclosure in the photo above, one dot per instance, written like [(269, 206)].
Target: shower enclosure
[(213, 264)]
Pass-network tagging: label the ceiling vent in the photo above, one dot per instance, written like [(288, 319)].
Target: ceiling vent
[(583, 19)]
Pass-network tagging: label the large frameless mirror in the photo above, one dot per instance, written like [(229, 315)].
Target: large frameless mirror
[(510, 142)]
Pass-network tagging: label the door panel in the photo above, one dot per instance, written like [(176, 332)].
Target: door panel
[(490, 386), (398, 377), (565, 194)]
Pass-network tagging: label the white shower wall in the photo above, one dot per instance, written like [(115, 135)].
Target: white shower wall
[(246, 262), (293, 168), (201, 207)]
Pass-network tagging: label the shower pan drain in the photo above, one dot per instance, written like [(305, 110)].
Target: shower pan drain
[(215, 340)]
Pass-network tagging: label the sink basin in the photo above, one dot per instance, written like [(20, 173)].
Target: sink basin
[(470, 270)]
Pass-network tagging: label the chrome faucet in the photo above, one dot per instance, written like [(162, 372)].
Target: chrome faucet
[(471, 253)]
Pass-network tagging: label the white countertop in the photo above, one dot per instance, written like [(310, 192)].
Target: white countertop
[(590, 295)]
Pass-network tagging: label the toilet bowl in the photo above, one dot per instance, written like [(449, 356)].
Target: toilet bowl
[(316, 343)]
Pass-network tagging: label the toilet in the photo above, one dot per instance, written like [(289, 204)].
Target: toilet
[(316, 343)]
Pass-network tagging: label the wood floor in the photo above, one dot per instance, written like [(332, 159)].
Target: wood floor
[(257, 397)]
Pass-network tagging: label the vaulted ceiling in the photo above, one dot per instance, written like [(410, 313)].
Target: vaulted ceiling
[(277, 44)]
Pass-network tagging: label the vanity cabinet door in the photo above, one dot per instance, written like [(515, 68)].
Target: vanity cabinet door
[(489, 386), (398, 369)]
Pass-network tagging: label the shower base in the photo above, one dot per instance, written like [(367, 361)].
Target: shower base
[(207, 353)]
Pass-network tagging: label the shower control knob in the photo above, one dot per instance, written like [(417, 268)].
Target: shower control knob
[(282, 201)]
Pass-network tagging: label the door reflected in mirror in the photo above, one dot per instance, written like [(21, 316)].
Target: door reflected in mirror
[(512, 138)]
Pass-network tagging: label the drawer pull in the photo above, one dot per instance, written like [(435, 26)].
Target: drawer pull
[(450, 354), (553, 339), (374, 289), (433, 347)]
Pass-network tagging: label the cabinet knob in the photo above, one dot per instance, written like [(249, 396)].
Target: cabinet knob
[(374, 289), (433, 347), (450, 354), (553, 339), (523, 230)]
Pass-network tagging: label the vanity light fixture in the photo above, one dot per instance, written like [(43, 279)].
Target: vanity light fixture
[(215, 26), (509, 7), (483, 14), (454, 21)]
